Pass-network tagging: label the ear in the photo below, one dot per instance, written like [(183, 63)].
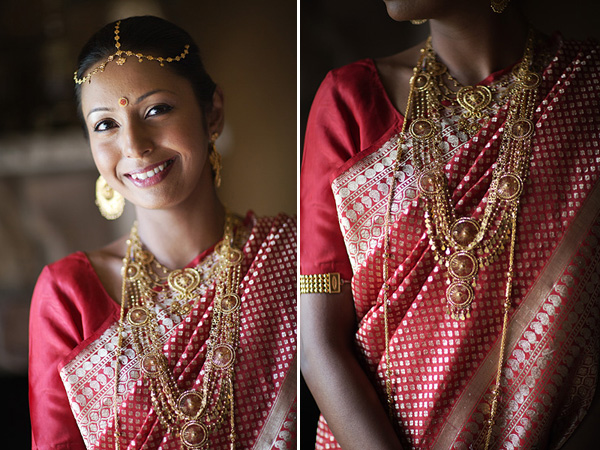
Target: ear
[(216, 117)]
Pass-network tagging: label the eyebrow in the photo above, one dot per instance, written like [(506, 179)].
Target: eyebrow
[(137, 100)]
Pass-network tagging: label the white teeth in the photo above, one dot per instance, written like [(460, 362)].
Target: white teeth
[(149, 174)]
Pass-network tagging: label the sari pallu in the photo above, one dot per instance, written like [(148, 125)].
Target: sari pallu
[(265, 380), (442, 369)]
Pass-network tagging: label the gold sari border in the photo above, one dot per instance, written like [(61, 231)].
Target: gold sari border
[(522, 317), (284, 401)]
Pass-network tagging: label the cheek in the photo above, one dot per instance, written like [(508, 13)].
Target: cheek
[(104, 158), (194, 141)]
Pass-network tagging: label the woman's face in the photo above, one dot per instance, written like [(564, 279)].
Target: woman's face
[(148, 134)]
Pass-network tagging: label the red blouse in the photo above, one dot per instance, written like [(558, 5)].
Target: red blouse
[(69, 306), (350, 114)]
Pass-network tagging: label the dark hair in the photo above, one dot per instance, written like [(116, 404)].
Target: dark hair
[(152, 36)]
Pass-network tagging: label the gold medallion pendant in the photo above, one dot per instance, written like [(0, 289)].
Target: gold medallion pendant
[(474, 99), (184, 282)]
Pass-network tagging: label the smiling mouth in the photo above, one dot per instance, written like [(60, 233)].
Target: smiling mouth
[(151, 173)]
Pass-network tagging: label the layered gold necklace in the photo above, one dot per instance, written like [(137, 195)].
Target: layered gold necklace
[(464, 244), (191, 414)]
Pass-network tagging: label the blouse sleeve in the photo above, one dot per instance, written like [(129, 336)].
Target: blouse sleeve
[(351, 114), (69, 307), (329, 142), (52, 335)]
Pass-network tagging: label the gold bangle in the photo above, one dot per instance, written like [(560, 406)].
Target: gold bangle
[(323, 283)]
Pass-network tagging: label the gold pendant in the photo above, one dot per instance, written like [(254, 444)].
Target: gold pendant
[(521, 129), (474, 99), (184, 281), (431, 183), (193, 434), (464, 231), (462, 270), (190, 403), (459, 297), (510, 187)]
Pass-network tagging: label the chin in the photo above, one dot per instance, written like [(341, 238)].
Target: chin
[(397, 10)]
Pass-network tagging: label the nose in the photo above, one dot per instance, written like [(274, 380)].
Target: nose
[(137, 140)]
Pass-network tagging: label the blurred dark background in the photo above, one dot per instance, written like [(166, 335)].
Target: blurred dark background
[(47, 176), (336, 32)]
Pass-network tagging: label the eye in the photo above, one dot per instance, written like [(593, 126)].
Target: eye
[(157, 110), (104, 125)]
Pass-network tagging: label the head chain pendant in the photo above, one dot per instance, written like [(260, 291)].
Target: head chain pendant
[(120, 57)]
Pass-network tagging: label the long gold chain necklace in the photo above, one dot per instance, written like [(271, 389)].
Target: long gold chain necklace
[(465, 244), (191, 414)]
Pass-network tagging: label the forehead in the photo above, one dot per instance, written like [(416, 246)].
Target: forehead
[(131, 80)]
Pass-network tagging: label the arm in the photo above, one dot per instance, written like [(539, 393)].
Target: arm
[(345, 395)]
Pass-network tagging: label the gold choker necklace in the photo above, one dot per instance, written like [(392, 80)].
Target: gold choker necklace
[(464, 244), (191, 414), (474, 104)]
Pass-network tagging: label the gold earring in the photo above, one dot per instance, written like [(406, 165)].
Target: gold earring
[(418, 21), (499, 5), (109, 202), (215, 159)]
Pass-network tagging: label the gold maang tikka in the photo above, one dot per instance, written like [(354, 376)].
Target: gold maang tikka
[(120, 57)]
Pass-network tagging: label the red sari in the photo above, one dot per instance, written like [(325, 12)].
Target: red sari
[(73, 335), (442, 369)]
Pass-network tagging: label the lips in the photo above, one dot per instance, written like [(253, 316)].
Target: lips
[(152, 174)]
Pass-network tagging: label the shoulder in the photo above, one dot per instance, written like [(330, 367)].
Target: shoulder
[(59, 298), (281, 221), (350, 111), (64, 275), (352, 84), (586, 48), (274, 235), (271, 249), (281, 226), (574, 57), (352, 76), (69, 290), (572, 77)]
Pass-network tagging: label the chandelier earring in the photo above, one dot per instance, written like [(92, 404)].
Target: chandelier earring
[(215, 159), (109, 202), (499, 5)]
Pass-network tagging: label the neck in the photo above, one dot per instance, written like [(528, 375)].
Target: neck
[(176, 236), (475, 43)]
